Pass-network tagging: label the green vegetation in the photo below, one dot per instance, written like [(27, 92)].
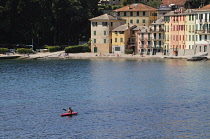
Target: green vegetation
[(126, 2), (128, 51), (3, 50), (109, 7), (77, 49), (24, 51), (51, 22), (53, 48), (154, 4)]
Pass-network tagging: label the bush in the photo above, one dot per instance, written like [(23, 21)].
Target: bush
[(53, 48), (24, 51), (3, 50), (128, 51), (77, 49)]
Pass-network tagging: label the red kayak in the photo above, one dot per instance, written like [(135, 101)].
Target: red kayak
[(69, 114)]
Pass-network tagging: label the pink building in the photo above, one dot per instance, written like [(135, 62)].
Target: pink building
[(144, 40), (177, 31)]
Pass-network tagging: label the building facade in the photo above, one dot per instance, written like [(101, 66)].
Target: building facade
[(121, 38), (101, 32), (137, 14), (202, 40)]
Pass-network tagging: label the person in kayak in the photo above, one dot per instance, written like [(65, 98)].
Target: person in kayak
[(70, 110)]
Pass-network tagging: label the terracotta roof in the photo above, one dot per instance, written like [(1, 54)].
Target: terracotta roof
[(136, 7), (105, 17), (176, 2), (207, 7)]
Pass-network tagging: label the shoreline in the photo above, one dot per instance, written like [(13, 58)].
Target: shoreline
[(63, 55)]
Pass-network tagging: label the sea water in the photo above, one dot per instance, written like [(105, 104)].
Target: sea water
[(144, 98)]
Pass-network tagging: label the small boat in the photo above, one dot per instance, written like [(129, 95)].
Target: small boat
[(197, 58), (69, 114)]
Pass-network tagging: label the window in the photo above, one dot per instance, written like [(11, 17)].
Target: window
[(115, 39), (137, 13), (94, 33), (200, 37), (200, 48), (144, 13), (205, 37), (111, 24), (137, 21), (124, 13), (118, 14), (104, 40), (121, 32), (94, 41), (121, 39), (131, 21), (131, 13), (94, 24), (104, 24), (205, 48), (117, 48), (143, 21), (104, 32), (189, 37)]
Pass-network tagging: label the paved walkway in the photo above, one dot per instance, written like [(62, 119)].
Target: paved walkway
[(63, 55)]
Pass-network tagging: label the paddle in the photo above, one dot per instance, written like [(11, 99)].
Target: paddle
[(64, 109)]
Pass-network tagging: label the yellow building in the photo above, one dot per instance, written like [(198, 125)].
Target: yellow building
[(101, 32), (137, 14), (120, 38)]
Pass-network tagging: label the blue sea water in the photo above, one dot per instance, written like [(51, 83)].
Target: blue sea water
[(129, 99)]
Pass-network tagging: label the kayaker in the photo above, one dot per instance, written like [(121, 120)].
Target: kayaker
[(70, 110)]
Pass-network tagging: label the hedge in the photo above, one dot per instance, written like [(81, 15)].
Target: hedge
[(24, 50), (77, 49), (3, 50), (53, 48), (128, 51)]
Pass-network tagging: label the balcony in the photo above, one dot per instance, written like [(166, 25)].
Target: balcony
[(203, 20), (202, 31), (157, 30), (145, 39)]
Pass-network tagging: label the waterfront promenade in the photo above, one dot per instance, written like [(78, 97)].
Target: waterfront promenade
[(63, 55)]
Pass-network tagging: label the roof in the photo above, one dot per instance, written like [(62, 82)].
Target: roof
[(136, 7), (123, 27), (205, 8), (159, 21), (176, 2), (142, 29), (105, 17), (184, 12)]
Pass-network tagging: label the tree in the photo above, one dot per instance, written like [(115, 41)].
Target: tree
[(154, 4)]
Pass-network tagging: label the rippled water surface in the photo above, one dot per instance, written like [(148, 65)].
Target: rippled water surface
[(115, 99)]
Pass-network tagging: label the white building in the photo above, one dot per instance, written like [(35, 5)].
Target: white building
[(202, 34)]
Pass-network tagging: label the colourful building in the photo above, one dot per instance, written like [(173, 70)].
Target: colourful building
[(120, 38), (137, 14), (101, 32), (177, 31), (144, 40)]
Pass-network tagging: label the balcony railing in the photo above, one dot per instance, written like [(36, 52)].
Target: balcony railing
[(202, 31)]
